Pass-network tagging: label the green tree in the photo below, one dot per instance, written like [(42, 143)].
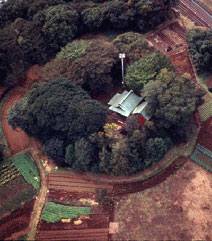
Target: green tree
[(200, 49), (172, 99), (92, 64), (59, 109), (117, 14), (133, 45), (146, 69), (155, 148), (92, 18), (61, 25)]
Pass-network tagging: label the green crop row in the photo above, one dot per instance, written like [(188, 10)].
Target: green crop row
[(7, 172), (54, 212), (26, 166)]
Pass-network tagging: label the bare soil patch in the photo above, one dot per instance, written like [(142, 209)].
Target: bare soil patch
[(183, 64), (178, 208), (17, 140), (16, 222)]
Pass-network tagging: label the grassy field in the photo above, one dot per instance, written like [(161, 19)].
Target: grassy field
[(206, 4), (54, 212), (26, 166)]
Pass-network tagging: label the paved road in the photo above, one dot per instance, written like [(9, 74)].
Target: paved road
[(195, 13)]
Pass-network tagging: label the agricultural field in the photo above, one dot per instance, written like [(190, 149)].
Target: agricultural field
[(8, 171), (206, 4), (179, 208), (54, 212), (78, 210), (19, 184), (26, 166), (17, 222)]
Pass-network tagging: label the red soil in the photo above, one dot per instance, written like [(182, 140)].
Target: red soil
[(17, 140), (17, 221)]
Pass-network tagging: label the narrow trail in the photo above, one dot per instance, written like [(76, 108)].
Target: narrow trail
[(40, 200)]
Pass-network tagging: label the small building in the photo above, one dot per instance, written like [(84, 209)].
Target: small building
[(129, 103)]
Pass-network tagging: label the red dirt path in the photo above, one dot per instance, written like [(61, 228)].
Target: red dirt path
[(19, 140)]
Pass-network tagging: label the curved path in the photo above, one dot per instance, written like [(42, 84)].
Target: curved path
[(17, 140)]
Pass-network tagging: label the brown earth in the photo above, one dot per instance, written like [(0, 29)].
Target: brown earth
[(17, 221), (177, 209), (17, 140)]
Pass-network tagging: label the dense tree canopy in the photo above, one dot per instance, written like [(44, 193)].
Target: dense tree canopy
[(88, 63), (58, 109), (172, 99), (133, 45), (200, 48), (146, 69), (22, 45), (61, 25)]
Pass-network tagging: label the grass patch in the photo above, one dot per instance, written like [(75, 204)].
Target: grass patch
[(26, 166), (54, 212)]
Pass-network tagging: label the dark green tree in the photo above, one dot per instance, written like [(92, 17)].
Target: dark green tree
[(155, 148), (61, 25), (54, 148), (92, 18), (200, 49), (59, 109), (117, 14), (172, 99)]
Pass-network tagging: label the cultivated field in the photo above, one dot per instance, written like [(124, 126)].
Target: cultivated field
[(206, 4), (75, 209)]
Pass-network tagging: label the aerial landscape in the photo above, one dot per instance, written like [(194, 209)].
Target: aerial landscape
[(106, 120)]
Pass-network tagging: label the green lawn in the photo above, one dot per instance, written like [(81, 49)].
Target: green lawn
[(54, 212), (26, 166)]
